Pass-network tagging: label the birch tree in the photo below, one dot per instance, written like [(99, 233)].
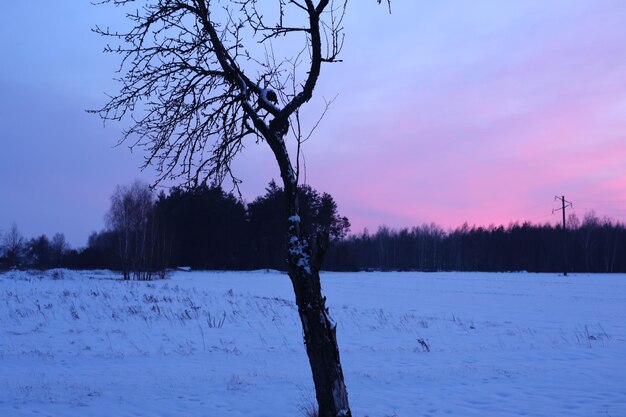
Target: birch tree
[(202, 79), (129, 217)]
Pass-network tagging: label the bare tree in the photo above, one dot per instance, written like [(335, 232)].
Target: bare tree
[(58, 248), (202, 79), (13, 244), (129, 217)]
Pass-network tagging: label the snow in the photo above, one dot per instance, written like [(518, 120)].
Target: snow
[(264, 96), (297, 249), (230, 344), (303, 262)]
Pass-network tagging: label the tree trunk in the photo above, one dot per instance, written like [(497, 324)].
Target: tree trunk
[(321, 345), (318, 327)]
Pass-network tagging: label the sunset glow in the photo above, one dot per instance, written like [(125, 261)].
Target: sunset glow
[(446, 113)]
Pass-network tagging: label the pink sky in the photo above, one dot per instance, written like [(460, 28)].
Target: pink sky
[(524, 112), (451, 112)]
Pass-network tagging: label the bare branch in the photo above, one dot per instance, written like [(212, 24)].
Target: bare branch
[(194, 90)]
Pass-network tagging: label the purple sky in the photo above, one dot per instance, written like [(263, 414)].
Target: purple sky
[(452, 112)]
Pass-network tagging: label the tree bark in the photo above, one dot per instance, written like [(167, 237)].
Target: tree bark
[(321, 345), (318, 328)]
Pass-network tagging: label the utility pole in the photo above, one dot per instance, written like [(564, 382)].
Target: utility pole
[(564, 232)]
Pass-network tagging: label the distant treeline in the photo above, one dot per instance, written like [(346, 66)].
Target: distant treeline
[(208, 228), (593, 245)]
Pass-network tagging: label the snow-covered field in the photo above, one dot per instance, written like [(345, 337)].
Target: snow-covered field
[(229, 344)]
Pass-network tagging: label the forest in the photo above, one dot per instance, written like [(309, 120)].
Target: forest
[(209, 229)]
